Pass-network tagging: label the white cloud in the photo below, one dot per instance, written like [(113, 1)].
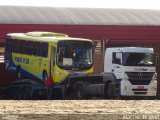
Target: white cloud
[(139, 4)]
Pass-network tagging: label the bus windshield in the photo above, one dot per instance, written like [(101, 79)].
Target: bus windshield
[(138, 59), (74, 55)]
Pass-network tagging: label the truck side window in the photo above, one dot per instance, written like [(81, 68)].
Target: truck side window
[(116, 58)]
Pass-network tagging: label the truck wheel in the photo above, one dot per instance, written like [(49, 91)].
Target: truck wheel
[(44, 77), (106, 92), (80, 91), (151, 97), (111, 93)]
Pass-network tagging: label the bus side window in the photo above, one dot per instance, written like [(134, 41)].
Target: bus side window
[(16, 46), (9, 45), (37, 48), (44, 50), (23, 46), (29, 47)]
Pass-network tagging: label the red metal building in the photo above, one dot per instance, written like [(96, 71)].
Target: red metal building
[(106, 27)]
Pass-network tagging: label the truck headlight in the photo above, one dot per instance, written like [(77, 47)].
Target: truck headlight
[(125, 76), (155, 76), (125, 90), (153, 88)]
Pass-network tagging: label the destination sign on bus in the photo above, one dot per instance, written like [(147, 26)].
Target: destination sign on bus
[(22, 60)]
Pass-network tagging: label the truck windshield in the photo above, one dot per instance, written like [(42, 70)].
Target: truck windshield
[(138, 59), (75, 55)]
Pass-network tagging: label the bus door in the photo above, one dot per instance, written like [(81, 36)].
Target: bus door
[(52, 61)]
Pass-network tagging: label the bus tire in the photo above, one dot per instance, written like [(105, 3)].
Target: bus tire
[(19, 75), (44, 77)]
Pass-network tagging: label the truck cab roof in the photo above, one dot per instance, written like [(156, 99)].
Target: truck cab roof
[(131, 49)]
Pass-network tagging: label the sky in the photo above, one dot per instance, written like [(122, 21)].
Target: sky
[(133, 4)]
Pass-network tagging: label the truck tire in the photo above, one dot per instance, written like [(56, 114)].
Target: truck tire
[(106, 91), (80, 91), (151, 98), (111, 93)]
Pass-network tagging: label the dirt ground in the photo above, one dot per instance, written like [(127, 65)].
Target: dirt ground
[(79, 110)]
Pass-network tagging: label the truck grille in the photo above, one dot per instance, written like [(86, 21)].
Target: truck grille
[(140, 75), (140, 78), (140, 82)]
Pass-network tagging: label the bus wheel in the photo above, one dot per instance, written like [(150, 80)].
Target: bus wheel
[(80, 91), (19, 76), (44, 77)]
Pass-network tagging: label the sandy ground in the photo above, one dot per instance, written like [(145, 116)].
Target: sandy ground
[(79, 110)]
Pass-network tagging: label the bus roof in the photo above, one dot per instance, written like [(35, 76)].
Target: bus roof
[(43, 36)]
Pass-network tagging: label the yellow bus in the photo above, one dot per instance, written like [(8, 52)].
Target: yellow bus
[(47, 55)]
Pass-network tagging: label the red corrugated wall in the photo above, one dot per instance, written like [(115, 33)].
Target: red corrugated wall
[(95, 32)]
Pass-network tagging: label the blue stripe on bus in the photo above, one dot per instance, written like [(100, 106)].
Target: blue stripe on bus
[(26, 74)]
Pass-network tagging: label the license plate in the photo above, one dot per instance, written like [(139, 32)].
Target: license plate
[(140, 87)]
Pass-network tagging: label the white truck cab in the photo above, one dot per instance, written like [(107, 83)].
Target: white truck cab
[(134, 69)]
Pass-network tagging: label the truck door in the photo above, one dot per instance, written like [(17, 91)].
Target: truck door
[(117, 64)]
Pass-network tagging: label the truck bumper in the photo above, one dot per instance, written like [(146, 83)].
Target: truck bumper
[(127, 89)]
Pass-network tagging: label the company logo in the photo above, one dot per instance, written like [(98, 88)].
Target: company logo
[(143, 69), (140, 75), (140, 69)]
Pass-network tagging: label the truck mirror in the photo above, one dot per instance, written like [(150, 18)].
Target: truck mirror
[(93, 51), (157, 59)]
